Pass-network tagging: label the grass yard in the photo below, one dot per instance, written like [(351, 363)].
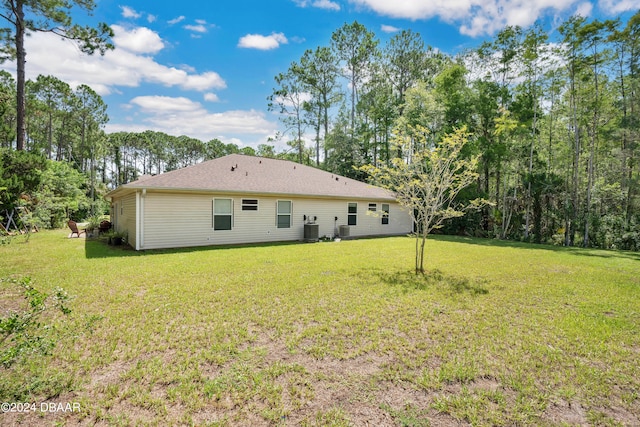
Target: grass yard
[(333, 334)]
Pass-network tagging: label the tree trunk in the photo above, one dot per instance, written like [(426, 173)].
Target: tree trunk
[(20, 71), (421, 239)]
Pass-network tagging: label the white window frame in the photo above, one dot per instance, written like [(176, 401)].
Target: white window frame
[(385, 213), (278, 213), (352, 214), (250, 206), (214, 214)]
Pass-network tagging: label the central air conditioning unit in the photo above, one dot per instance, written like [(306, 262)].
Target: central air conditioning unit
[(344, 231), (311, 232)]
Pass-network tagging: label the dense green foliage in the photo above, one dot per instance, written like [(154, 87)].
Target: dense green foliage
[(20, 174), (51, 192), (555, 123)]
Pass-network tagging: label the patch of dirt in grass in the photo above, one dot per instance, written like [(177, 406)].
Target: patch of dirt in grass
[(350, 386), (399, 399), (565, 412), (574, 413), (12, 299), (109, 374), (622, 415)]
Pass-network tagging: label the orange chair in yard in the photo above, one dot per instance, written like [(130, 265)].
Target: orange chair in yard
[(74, 229)]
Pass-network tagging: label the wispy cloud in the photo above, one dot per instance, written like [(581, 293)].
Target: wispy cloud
[(320, 4), (196, 28), (128, 12), (176, 20), (613, 7), (389, 28), (257, 41), (201, 27)]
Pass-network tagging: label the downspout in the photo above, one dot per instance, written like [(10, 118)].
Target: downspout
[(142, 205), (140, 219)]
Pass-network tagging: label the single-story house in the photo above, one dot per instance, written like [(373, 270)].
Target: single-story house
[(246, 199)]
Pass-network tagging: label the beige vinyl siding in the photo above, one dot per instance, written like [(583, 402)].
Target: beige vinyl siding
[(181, 220), (176, 220), (127, 217)]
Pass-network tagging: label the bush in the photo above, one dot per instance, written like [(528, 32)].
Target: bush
[(21, 331)]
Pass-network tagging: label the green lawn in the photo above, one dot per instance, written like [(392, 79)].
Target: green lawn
[(334, 334)]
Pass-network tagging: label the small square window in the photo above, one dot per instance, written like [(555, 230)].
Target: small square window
[(249, 204), (373, 207)]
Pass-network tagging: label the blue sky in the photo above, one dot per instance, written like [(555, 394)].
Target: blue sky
[(204, 69)]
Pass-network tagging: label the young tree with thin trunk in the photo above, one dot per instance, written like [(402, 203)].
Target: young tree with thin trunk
[(356, 47), (46, 16), (320, 72), (427, 185), (289, 99)]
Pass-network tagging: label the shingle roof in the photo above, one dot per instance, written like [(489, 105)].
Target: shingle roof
[(237, 173)]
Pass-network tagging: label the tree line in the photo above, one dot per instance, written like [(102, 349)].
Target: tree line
[(68, 163), (554, 124)]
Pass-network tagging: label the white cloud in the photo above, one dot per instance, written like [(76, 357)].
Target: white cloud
[(122, 67), (320, 4), (137, 40), (326, 4), (257, 41), (288, 102), (196, 28), (389, 28), (165, 104), (612, 7), (176, 20), (204, 81), (211, 97), (476, 17), (584, 10), (151, 18), (128, 12), (182, 116)]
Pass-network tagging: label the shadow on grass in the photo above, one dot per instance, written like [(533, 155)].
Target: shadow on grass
[(434, 279), (99, 248), (586, 252)]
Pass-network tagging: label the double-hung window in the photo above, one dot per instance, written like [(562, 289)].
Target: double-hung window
[(283, 214), (222, 214), (352, 214), (385, 213)]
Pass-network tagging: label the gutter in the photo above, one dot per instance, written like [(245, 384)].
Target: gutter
[(116, 192)]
